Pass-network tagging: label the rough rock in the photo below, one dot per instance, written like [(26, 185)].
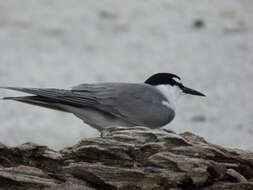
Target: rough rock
[(128, 159)]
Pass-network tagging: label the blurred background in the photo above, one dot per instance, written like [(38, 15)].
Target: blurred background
[(62, 43)]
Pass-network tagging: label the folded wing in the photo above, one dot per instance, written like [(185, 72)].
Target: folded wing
[(139, 104)]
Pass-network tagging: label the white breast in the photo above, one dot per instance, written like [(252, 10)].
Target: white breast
[(171, 93)]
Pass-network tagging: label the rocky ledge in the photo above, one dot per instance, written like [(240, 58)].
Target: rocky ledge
[(128, 159)]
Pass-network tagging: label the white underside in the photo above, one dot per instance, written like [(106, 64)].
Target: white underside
[(96, 119)]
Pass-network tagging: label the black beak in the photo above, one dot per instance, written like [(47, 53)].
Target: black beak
[(191, 91)]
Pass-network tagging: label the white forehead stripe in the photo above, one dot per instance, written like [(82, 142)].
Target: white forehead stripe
[(176, 79)]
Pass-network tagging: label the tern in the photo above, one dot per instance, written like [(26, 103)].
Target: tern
[(150, 104)]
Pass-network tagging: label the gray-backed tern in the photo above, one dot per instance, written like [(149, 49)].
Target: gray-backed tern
[(151, 104)]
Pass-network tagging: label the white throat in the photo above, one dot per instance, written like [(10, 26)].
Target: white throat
[(171, 93)]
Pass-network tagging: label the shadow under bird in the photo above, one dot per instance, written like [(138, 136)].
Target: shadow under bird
[(149, 104)]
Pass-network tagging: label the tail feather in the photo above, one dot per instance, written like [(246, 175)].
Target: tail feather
[(39, 101)]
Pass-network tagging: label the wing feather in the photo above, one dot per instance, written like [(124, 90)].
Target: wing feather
[(66, 96), (136, 103), (139, 104)]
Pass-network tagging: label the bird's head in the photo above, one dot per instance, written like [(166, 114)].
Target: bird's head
[(171, 83)]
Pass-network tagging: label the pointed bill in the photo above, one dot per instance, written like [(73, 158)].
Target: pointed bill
[(192, 92)]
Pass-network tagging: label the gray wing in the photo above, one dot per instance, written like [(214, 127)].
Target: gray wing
[(58, 96), (137, 103)]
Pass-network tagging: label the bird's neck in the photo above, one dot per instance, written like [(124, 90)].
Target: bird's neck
[(171, 93)]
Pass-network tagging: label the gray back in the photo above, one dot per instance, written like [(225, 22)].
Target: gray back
[(140, 104)]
